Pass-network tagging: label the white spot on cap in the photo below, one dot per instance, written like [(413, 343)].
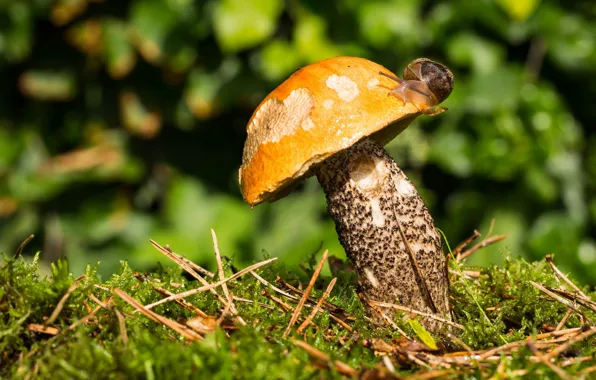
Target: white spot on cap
[(372, 83), (307, 124), (328, 103), (274, 120), (347, 89)]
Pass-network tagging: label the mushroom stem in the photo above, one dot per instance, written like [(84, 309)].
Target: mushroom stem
[(386, 230)]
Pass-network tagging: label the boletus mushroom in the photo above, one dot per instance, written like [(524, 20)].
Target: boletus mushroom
[(331, 119)]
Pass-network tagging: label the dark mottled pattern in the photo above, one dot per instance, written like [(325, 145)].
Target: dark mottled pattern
[(378, 249)]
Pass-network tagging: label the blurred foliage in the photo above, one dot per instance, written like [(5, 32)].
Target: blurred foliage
[(122, 121)]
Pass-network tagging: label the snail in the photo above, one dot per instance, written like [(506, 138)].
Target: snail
[(425, 82)]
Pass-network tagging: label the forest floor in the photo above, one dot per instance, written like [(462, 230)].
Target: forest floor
[(519, 319)]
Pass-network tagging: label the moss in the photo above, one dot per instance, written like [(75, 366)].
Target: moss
[(508, 307), (498, 306)]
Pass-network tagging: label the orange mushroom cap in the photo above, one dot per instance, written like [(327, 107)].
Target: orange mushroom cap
[(320, 110)]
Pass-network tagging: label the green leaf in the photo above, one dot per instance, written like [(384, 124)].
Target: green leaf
[(242, 24), (188, 208), (48, 85), (387, 23), (519, 10), (481, 54), (119, 54), (17, 38), (494, 90), (541, 184), (500, 220), (201, 93), (424, 335), (153, 21), (452, 150), (311, 38), (555, 232), (567, 167), (278, 59)]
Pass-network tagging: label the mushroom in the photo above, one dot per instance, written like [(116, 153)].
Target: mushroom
[(331, 119)]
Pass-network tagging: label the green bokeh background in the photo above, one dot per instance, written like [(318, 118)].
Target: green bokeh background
[(122, 121)]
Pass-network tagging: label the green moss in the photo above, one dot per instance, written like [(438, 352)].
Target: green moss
[(508, 307), (499, 306)]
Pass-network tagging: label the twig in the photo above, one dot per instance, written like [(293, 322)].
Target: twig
[(342, 323), (549, 260), (576, 339), (182, 261), (440, 373), (466, 273), (557, 298), (298, 309), (97, 286), (387, 363), (571, 361), (341, 367), (188, 266), (266, 283), (211, 286), (63, 300), (285, 306), (279, 301), (226, 310), (484, 243), (85, 318), (518, 372), (460, 342), (42, 329), (240, 299), (542, 358), (563, 320), (460, 247), (387, 319), (588, 370), (185, 331), (23, 244), (496, 350), (122, 324), (100, 305), (184, 303), (105, 305), (417, 360), (558, 333), (505, 347), (317, 306), (574, 297), (220, 270), (423, 314), (219, 264), (326, 305)]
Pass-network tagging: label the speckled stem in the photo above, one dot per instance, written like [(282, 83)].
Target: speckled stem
[(386, 230)]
